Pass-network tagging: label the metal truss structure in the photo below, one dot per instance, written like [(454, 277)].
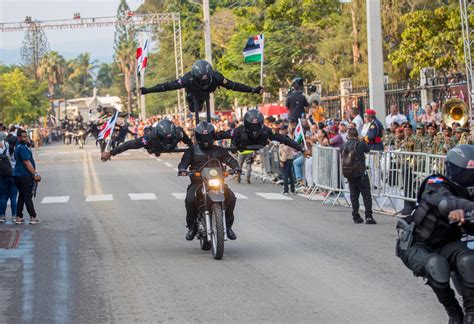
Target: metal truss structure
[(131, 19), (467, 13)]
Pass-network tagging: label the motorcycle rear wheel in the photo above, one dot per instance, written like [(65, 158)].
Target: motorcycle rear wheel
[(217, 235)]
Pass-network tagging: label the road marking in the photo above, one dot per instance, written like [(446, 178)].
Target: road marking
[(86, 176), (176, 169), (159, 160), (95, 178), (240, 196), (55, 200), (273, 196), (142, 196), (168, 164), (179, 195), (93, 198)]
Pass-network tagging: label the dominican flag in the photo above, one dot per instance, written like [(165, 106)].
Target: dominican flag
[(253, 51), (142, 54), (299, 134), (108, 127)]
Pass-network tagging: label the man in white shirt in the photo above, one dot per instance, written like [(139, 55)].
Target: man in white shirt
[(356, 119), (394, 116)]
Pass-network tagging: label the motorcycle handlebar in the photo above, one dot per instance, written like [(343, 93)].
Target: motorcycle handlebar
[(468, 217), (185, 173)]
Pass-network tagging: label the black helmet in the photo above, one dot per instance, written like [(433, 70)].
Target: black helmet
[(297, 83), (205, 134), (202, 73), (460, 165), (253, 121), (312, 88), (165, 132)]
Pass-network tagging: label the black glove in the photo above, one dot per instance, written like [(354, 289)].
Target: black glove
[(143, 90), (182, 173), (257, 90)]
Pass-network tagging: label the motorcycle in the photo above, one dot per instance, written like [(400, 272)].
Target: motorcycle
[(68, 137), (81, 138), (210, 222)]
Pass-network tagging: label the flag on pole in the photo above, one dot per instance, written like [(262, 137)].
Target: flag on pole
[(142, 55), (299, 134), (253, 51), (108, 127)]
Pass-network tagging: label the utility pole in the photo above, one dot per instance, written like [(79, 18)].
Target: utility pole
[(374, 46), (207, 43)]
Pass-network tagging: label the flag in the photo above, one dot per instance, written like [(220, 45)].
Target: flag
[(108, 127), (299, 134), (253, 51), (142, 55)]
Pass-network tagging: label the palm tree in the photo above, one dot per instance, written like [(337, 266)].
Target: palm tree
[(104, 76), (52, 67), (83, 72), (125, 58)]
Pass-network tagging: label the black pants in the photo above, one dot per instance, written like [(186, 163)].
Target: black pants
[(25, 195), (357, 186), (288, 176), (409, 186), (192, 210), (415, 259)]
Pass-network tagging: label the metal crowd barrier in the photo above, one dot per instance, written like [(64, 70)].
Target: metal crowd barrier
[(270, 163)]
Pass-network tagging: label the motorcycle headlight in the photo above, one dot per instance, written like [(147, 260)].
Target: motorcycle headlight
[(214, 183)]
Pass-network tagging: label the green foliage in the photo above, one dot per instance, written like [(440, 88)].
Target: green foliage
[(21, 98), (430, 38), (35, 45)]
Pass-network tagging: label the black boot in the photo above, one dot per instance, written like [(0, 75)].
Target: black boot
[(248, 180), (370, 220), (230, 234), (192, 231), (357, 219), (238, 178), (456, 319), (468, 318)]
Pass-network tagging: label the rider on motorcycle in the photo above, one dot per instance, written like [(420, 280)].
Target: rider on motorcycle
[(194, 158), (199, 83), (430, 245), (164, 137)]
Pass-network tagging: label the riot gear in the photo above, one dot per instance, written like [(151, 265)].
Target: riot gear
[(460, 165), (166, 134), (253, 121), (202, 73), (205, 135)]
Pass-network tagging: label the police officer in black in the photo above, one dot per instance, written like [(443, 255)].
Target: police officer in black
[(435, 249), (121, 131), (254, 133), (194, 158), (199, 83), (296, 101), (162, 138)]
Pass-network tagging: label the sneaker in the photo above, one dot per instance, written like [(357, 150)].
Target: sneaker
[(19, 220), (284, 193), (370, 221), (191, 233), (230, 234), (293, 192), (34, 220), (2, 219), (358, 220)]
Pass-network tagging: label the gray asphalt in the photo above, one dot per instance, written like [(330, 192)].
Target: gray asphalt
[(125, 261)]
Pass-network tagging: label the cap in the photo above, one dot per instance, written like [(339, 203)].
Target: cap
[(456, 124), (370, 112), (399, 130), (431, 124), (395, 123), (420, 126), (461, 130), (408, 127), (415, 100)]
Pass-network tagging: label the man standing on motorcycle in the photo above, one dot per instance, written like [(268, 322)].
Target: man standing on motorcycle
[(199, 83), (164, 137), (194, 158), (430, 243)]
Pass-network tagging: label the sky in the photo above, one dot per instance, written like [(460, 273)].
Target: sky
[(68, 42)]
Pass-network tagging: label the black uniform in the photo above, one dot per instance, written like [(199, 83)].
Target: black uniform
[(195, 158), (359, 185), (436, 249), (122, 132), (241, 138), (296, 104), (193, 89), (150, 143)]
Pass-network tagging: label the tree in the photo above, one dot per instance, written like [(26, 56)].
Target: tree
[(35, 45), (22, 99), (81, 76), (124, 46), (105, 78), (52, 68)]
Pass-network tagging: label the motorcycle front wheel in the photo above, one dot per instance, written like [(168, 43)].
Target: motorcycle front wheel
[(205, 245), (217, 235)]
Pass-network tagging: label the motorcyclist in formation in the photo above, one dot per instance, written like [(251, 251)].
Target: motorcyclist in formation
[(430, 244), (194, 158), (164, 137), (199, 83)]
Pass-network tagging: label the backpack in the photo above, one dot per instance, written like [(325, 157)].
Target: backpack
[(5, 165), (352, 165)]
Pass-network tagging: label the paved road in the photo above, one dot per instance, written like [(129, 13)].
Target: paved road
[(108, 251)]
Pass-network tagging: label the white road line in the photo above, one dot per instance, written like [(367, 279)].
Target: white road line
[(55, 200), (151, 156), (93, 198), (273, 196), (176, 169), (159, 160), (168, 164), (179, 195), (142, 196), (240, 196)]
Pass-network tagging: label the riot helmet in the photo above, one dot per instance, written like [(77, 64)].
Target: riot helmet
[(460, 165), (205, 135), (297, 84), (202, 73), (166, 134), (253, 122), (312, 88)]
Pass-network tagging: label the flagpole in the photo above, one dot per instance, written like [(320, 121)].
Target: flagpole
[(142, 84), (261, 61), (109, 140), (302, 130)]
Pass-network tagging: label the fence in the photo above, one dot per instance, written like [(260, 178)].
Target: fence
[(394, 176)]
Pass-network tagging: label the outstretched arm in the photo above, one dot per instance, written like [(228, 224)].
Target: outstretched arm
[(287, 141), (167, 86), (224, 135), (129, 145), (235, 86)]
